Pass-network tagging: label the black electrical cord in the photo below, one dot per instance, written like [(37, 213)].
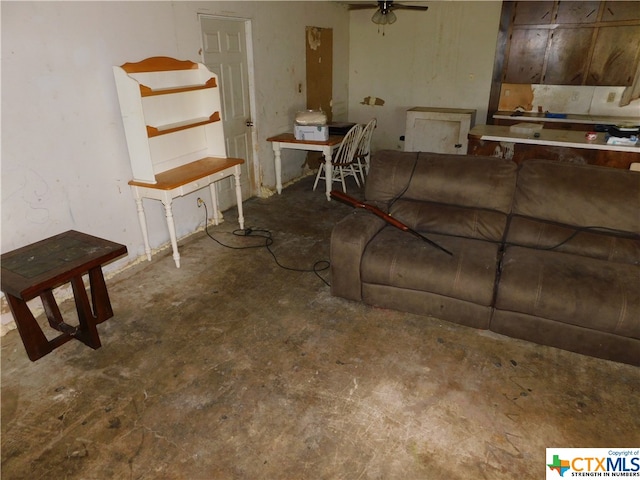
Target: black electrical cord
[(319, 266)]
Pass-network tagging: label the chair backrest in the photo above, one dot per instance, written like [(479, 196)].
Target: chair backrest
[(347, 149), (364, 147)]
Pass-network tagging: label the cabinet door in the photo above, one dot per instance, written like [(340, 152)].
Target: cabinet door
[(615, 56), (526, 56), (437, 132), (577, 12), (533, 13), (620, 11), (568, 56)]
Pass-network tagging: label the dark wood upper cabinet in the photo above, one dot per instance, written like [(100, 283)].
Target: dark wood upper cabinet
[(566, 43), (568, 56), (577, 12), (570, 43), (525, 63), (620, 11), (615, 55), (533, 13)]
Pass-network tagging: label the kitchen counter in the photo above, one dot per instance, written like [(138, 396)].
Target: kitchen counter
[(559, 138), (570, 118), (562, 145)]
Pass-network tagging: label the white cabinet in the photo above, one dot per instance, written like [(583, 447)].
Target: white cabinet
[(439, 130), (171, 113)]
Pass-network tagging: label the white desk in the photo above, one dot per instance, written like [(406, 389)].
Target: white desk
[(181, 181), (288, 140)]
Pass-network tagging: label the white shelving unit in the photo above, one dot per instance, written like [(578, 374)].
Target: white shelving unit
[(171, 112), (439, 130)]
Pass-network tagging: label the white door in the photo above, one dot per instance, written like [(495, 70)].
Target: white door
[(224, 52)]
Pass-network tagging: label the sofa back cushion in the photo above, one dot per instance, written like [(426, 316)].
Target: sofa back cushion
[(461, 180), (579, 195), (455, 195)]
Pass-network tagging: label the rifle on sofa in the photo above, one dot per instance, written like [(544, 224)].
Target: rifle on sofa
[(344, 198)]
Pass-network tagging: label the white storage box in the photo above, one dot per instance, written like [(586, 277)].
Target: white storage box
[(315, 133)]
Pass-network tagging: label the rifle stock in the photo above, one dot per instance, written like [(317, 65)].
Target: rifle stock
[(344, 198)]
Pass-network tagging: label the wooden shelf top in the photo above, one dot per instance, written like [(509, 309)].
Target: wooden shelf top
[(179, 176), (290, 138), (158, 64)]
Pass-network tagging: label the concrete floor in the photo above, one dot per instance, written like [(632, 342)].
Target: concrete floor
[(233, 368)]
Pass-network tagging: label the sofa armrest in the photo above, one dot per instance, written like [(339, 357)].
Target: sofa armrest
[(349, 239)]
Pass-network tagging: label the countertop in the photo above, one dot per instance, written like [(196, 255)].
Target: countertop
[(559, 138), (571, 118)]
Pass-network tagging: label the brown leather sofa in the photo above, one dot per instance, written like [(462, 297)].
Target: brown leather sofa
[(546, 251)]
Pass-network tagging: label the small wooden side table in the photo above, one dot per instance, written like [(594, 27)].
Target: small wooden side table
[(36, 269)]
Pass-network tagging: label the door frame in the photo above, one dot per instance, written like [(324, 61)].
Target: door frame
[(256, 171)]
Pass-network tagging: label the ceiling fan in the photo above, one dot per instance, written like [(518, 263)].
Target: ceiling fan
[(384, 14)]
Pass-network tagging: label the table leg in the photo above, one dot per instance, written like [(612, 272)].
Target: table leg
[(328, 172), (172, 231), (214, 203), (143, 226), (99, 295), (278, 165), (87, 332), (236, 176), (35, 343)]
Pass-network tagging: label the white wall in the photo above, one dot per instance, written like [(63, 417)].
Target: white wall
[(64, 158), (439, 58)]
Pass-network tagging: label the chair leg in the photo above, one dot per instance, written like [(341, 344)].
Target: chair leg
[(355, 175), (363, 170), (344, 185), (315, 184)]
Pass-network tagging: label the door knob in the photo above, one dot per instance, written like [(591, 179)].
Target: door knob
[(249, 123)]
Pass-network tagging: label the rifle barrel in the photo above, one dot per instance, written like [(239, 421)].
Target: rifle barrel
[(343, 197)]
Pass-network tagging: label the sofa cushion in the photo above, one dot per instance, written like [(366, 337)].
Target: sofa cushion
[(462, 180), (398, 259), (478, 223), (579, 195), (591, 293), (602, 244)]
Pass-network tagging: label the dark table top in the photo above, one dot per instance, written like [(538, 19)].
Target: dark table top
[(49, 263)]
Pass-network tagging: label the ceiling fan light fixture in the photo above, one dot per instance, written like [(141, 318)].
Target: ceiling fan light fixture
[(391, 17), (384, 18)]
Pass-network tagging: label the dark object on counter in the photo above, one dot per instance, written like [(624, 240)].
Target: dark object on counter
[(623, 132), (340, 128), (555, 115)]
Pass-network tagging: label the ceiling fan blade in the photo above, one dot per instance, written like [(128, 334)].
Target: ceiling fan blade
[(398, 6), (362, 6)]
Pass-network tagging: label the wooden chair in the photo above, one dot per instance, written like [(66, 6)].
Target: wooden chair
[(363, 152), (343, 161)]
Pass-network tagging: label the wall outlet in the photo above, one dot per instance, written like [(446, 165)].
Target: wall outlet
[(611, 97)]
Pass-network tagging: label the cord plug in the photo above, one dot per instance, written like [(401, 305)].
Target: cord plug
[(200, 202)]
